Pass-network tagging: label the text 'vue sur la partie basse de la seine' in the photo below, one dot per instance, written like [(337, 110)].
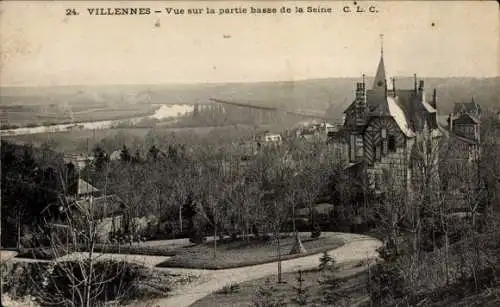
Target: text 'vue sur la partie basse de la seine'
[(262, 10)]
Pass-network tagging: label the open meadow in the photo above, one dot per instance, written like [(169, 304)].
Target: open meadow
[(26, 114)]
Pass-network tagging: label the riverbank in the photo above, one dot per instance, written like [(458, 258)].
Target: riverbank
[(98, 119)]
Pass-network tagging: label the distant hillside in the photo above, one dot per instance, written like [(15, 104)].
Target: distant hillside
[(334, 94)]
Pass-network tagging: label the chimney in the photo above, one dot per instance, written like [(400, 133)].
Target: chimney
[(434, 99), (360, 93), (450, 123), (421, 90), (394, 87), (421, 86), (415, 82)]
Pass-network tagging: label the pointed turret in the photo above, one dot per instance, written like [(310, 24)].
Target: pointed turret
[(380, 77)]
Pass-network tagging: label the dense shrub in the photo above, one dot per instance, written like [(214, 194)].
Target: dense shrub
[(134, 249), (229, 288), (387, 285), (326, 261), (43, 253), (266, 296), (316, 231), (51, 283), (19, 277)]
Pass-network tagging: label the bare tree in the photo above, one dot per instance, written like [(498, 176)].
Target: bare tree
[(81, 279)]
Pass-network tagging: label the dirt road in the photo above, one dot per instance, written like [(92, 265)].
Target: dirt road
[(356, 248)]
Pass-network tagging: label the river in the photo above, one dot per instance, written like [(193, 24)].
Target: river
[(163, 112)]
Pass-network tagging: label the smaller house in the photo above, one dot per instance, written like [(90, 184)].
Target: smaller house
[(107, 210), (462, 152), (78, 160), (471, 108), (321, 216), (269, 137), (115, 155), (464, 126), (465, 120), (315, 131), (85, 189), (322, 209)]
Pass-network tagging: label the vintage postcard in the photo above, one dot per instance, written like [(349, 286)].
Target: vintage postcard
[(250, 153)]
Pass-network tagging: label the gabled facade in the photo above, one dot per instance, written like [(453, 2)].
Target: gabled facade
[(465, 121), (463, 152), (385, 129), (471, 108)]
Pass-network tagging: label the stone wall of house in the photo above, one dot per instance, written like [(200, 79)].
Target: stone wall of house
[(391, 170), (105, 227)]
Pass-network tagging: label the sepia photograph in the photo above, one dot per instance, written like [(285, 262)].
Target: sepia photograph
[(250, 153)]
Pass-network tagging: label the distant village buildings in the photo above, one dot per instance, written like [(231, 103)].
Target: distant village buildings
[(269, 137)]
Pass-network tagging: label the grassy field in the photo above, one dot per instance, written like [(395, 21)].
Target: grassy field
[(352, 289), (151, 248), (352, 292), (243, 253), (34, 115), (156, 250)]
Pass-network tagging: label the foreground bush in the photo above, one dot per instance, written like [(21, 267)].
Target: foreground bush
[(62, 284)]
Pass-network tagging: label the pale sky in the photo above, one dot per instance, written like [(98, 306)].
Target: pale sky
[(41, 46)]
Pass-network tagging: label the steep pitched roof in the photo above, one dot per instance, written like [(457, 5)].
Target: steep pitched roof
[(467, 107), (351, 106), (427, 106), (380, 78), (85, 188), (462, 139), (104, 206), (399, 116), (389, 106), (466, 118)]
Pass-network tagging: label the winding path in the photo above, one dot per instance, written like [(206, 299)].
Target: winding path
[(356, 248)]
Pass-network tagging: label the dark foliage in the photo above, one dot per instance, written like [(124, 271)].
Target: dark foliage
[(51, 285), (326, 261), (266, 296), (316, 231), (125, 154), (31, 180), (329, 282), (101, 158), (302, 292), (387, 285), (153, 153)]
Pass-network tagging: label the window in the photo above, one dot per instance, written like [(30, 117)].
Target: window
[(378, 153), (352, 148), (359, 146), (391, 143), (383, 136)]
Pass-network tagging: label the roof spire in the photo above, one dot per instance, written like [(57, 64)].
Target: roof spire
[(380, 78), (381, 45)]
